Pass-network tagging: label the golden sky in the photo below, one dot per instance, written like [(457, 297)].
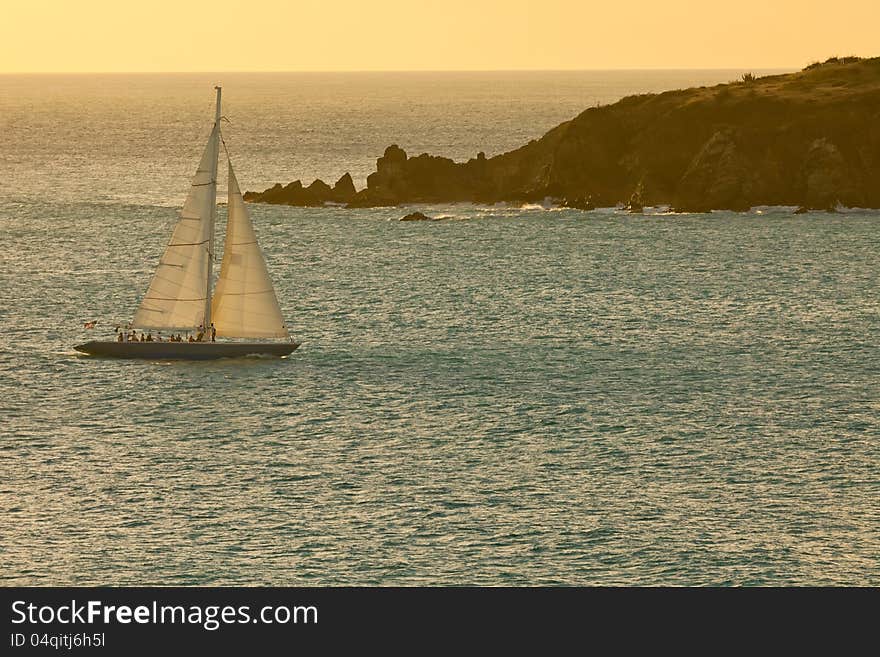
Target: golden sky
[(332, 35)]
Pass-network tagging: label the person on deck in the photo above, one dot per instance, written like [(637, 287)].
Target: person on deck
[(213, 333)]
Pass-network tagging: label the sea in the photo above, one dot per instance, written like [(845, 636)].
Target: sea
[(516, 395)]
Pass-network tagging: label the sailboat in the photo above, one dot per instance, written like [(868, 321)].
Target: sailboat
[(240, 317)]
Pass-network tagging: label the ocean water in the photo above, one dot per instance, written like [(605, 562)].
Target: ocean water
[(515, 395)]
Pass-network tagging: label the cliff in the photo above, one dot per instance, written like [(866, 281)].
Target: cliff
[(810, 138)]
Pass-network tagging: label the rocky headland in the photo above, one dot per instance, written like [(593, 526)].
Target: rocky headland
[(810, 139)]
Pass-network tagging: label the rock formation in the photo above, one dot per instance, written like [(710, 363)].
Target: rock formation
[(810, 138), (316, 194), (719, 176), (418, 216)]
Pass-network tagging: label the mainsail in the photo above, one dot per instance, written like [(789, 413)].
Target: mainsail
[(177, 295), (244, 304)]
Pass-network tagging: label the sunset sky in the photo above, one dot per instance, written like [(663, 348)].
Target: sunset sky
[(333, 35)]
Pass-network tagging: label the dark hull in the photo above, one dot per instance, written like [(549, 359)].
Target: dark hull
[(185, 350)]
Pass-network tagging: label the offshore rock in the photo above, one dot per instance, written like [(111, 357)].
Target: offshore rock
[(417, 216)]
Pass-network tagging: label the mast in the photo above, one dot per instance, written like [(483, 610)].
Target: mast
[(207, 324)]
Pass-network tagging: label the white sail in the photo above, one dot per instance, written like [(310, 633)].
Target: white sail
[(178, 292), (244, 304)]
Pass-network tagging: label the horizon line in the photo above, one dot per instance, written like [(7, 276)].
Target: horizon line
[(451, 70)]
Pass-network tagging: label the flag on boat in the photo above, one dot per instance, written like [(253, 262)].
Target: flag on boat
[(90, 324)]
